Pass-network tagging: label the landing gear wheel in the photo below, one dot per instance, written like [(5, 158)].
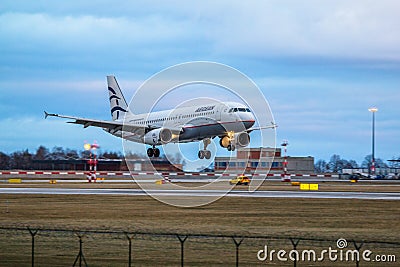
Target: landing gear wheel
[(204, 154), (231, 147), (201, 154), (156, 152), (150, 152)]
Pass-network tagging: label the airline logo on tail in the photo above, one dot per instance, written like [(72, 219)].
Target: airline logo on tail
[(116, 107), (118, 103)]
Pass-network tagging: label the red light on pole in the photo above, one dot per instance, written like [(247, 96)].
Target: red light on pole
[(92, 161), (286, 177)]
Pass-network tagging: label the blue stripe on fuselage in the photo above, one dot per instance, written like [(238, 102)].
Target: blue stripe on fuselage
[(217, 129)]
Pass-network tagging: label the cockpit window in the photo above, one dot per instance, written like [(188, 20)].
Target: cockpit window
[(239, 110)]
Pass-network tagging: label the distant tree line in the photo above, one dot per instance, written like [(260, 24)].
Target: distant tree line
[(336, 164), (25, 160)]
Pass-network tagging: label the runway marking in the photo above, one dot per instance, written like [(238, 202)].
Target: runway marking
[(158, 173), (204, 193)]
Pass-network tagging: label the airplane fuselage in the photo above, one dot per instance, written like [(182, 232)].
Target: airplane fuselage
[(196, 122)]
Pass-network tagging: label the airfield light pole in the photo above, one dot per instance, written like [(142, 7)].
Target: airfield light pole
[(285, 163), (373, 110), (92, 161)]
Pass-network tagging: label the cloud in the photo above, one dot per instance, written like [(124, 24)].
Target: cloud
[(32, 42), (88, 31), (332, 29), (356, 30)]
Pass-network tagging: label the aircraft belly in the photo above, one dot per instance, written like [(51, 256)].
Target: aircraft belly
[(200, 132), (203, 131), (192, 132)]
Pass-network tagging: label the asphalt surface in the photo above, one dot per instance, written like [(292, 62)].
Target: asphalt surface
[(204, 193)]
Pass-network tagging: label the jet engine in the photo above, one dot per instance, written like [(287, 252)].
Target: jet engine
[(239, 139), (158, 136), (242, 139)]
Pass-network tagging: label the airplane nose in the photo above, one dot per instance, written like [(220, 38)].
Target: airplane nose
[(248, 117), (252, 119)]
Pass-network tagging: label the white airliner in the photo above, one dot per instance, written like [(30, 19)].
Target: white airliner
[(230, 121)]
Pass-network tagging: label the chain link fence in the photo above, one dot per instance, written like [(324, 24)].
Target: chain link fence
[(25, 246)]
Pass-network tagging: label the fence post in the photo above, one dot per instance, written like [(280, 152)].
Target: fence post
[(33, 233), (129, 237), (182, 241), (80, 256), (294, 242), (358, 247), (237, 244)]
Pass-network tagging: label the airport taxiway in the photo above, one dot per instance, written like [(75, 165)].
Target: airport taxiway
[(205, 193)]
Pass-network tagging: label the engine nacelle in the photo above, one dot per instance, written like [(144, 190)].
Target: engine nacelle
[(238, 139), (242, 139), (158, 136)]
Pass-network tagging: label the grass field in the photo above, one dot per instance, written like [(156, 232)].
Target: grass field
[(371, 220)]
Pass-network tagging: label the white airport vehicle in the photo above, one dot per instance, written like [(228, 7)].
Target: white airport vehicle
[(230, 121)]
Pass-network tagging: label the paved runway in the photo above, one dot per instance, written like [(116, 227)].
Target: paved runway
[(204, 193), (199, 179)]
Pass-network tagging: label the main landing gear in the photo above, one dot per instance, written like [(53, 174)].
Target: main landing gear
[(205, 153), (153, 151), (228, 142)]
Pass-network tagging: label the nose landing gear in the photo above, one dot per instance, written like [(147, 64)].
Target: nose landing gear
[(231, 147)]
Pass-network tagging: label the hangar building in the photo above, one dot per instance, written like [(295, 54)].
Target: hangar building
[(264, 158)]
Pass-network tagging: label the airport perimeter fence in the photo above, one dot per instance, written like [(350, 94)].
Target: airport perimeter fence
[(28, 246)]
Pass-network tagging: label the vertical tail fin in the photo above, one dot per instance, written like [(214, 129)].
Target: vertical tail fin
[(118, 104)]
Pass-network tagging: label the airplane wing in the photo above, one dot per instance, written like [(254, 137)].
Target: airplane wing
[(272, 126), (113, 126)]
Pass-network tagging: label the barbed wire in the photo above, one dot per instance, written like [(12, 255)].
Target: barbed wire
[(169, 235)]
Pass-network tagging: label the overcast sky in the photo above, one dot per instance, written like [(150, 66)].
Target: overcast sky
[(320, 64)]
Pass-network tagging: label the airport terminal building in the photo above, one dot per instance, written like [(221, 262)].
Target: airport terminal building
[(263, 158)]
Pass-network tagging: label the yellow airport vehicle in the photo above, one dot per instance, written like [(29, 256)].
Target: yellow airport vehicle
[(242, 179)]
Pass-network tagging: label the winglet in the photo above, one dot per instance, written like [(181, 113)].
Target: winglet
[(49, 114)]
